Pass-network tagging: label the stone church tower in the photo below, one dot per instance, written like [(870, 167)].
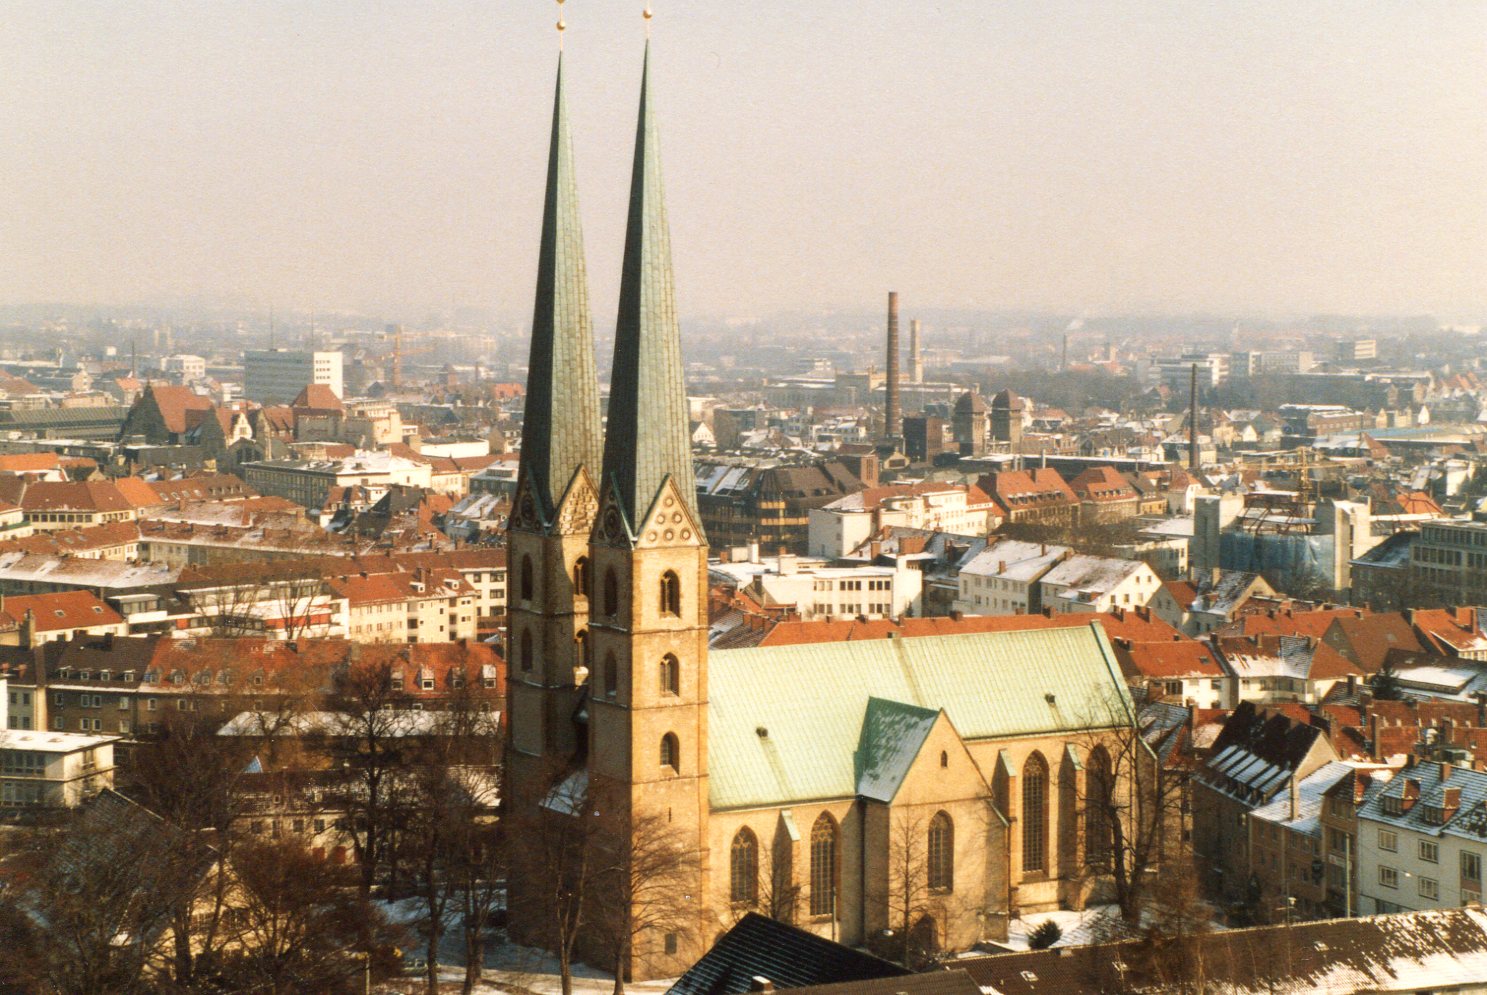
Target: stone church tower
[(648, 690), (556, 496), (608, 617)]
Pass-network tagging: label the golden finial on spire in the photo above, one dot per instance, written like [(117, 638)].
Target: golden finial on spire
[(647, 14), (562, 25)]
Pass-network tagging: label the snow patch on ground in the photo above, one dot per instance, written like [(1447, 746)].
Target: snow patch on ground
[(1095, 924)]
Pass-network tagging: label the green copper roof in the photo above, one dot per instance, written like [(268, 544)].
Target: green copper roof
[(811, 703), (892, 735), (648, 435), (560, 429)]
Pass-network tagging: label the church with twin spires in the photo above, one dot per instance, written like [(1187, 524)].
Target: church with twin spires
[(931, 787)]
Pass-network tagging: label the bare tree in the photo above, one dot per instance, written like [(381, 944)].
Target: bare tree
[(193, 779), (368, 747), (294, 919), (648, 882), (554, 838), (1132, 802), (452, 793), (98, 897)]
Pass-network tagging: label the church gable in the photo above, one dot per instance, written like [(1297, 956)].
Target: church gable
[(669, 522), (892, 735)]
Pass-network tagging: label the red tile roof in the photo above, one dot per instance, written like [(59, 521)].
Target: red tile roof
[(174, 402), (74, 495), (60, 610), (29, 462), (1186, 658), (1130, 625)]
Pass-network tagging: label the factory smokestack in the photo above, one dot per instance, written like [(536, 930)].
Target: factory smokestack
[(893, 414), (916, 361), (1193, 422)]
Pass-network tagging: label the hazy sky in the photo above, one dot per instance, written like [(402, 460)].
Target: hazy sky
[(1233, 156)]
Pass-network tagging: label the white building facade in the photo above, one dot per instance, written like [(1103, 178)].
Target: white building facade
[(276, 376)]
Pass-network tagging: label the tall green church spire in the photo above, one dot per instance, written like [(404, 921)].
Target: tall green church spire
[(648, 436), (560, 427)]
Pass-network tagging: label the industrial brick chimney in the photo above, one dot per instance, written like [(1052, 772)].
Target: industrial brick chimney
[(916, 360), (893, 414)]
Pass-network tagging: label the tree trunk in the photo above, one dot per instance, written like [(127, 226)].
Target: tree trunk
[(474, 957), (565, 968), (182, 930), (619, 972)]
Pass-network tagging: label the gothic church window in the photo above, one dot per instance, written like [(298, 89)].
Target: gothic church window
[(671, 594), (526, 649), (823, 866), (670, 754), (671, 677), (611, 593), (743, 871), (526, 578), (1097, 836), (941, 852), (581, 580), (581, 649), (1035, 814)]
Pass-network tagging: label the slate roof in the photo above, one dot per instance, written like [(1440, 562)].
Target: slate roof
[(1256, 753), (1427, 809), (759, 947), (647, 438), (785, 723)]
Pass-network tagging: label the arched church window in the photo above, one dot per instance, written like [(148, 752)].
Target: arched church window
[(581, 579), (941, 852), (743, 868), (581, 649), (611, 593), (1100, 790), (823, 866), (671, 753), (526, 578), (671, 675), (526, 649), (1035, 814), (671, 593)]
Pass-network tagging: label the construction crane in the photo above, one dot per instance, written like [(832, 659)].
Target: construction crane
[(399, 354)]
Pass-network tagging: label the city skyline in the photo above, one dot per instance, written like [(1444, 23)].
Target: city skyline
[(1061, 158)]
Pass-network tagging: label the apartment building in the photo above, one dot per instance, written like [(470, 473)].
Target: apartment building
[(418, 606), (1422, 839), (276, 376), (1449, 560), (310, 482), (848, 522), (1286, 845), (42, 769), (1084, 583), (1251, 763), (1003, 579)]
